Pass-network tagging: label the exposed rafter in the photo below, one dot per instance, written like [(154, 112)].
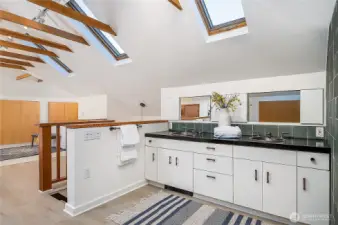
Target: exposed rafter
[(20, 56), (23, 76), (33, 39), (15, 62), (63, 10), (176, 3), (11, 66), (42, 27), (27, 48)]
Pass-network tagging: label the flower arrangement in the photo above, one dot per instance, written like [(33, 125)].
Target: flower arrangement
[(229, 101)]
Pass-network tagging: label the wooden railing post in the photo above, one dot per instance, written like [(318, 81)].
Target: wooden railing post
[(58, 153), (45, 158)]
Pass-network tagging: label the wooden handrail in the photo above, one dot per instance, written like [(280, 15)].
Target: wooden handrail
[(74, 122), (110, 124)]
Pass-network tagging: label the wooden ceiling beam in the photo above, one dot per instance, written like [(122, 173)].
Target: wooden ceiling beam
[(42, 27), (176, 3), (16, 62), (23, 76), (33, 39), (20, 56), (11, 66), (27, 48), (66, 11)]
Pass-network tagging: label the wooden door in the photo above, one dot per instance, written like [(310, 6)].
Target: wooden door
[(248, 183), (190, 111), (56, 112), (30, 116), (279, 189), (71, 111), (1, 125), (11, 122), (279, 111), (313, 194)]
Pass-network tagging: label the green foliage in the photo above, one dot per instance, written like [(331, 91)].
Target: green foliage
[(230, 101)]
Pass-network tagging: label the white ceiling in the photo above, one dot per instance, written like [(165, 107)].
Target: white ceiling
[(167, 47)]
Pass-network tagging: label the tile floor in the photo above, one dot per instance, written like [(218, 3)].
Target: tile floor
[(22, 204)]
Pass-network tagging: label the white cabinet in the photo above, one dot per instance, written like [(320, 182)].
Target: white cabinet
[(175, 168), (151, 163), (313, 194), (312, 106), (248, 185), (279, 189)]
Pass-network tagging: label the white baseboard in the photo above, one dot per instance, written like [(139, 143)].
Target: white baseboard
[(74, 211)]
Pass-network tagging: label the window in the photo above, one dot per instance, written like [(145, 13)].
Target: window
[(105, 39), (221, 15), (56, 60)]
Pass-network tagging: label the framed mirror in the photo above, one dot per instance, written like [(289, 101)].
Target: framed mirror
[(275, 107), (195, 108)]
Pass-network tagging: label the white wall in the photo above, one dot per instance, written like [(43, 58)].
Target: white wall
[(170, 96), (93, 107), (98, 159)]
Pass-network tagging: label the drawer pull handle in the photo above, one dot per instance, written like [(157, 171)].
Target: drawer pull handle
[(267, 177), (304, 184), (313, 160), (176, 161), (211, 177), (256, 175), (153, 157), (211, 148), (169, 159), (212, 160)]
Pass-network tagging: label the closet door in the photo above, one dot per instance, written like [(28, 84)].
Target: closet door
[(30, 116), (11, 122), (71, 111), (56, 112)]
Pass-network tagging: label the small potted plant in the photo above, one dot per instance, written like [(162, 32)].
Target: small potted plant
[(225, 104)]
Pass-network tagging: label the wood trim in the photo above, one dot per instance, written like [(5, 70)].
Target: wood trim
[(23, 76), (20, 56), (27, 48), (16, 62), (219, 30), (42, 27), (11, 66), (66, 11), (33, 39), (87, 125), (59, 180), (58, 153), (45, 159), (176, 3), (75, 122)]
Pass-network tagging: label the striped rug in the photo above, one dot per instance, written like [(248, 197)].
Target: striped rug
[(167, 209)]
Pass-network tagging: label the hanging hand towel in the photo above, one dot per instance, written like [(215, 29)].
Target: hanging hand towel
[(129, 138)]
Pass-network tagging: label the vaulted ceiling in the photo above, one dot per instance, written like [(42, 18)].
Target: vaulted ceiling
[(167, 47)]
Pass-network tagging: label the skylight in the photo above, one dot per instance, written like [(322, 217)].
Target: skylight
[(221, 15), (105, 39)]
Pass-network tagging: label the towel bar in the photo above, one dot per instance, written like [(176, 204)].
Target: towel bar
[(115, 128)]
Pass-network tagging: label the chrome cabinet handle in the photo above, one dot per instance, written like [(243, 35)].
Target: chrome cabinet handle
[(212, 160), (176, 161), (304, 184), (256, 175), (267, 177), (211, 148), (153, 157), (169, 159), (211, 177)]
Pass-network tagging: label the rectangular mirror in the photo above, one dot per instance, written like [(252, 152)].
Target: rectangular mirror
[(280, 107), (195, 108)]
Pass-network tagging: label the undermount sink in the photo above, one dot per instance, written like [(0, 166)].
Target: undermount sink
[(266, 139)]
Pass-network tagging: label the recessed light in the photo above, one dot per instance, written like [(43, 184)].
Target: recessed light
[(25, 27)]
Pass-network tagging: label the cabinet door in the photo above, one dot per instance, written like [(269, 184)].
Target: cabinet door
[(312, 106), (248, 183), (183, 172), (313, 187), (151, 163), (279, 189), (166, 166)]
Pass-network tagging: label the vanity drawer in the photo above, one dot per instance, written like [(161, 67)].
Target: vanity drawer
[(212, 163), (266, 155), (313, 160), (213, 185), (213, 149)]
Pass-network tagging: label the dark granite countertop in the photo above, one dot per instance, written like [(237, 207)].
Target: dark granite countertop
[(308, 145)]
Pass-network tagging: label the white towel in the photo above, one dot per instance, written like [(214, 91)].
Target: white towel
[(129, 138), (227, 132), (129, 135)]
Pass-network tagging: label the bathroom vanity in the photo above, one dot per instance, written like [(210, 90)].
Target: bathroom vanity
[(274, 178)]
